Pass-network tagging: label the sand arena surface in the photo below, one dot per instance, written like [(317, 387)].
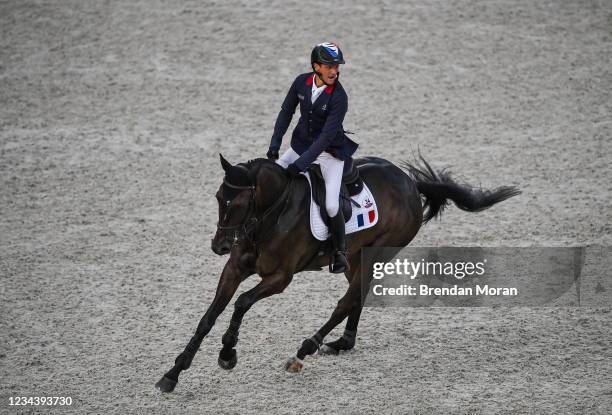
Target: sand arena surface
[(112, 116)]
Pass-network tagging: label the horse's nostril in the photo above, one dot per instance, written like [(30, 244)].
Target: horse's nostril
[(220, 249)]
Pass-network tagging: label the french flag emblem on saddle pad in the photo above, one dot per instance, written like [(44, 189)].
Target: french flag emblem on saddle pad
[(366, 218), (363, 217)]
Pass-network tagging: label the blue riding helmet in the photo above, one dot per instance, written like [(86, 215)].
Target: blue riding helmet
[(326, 53)]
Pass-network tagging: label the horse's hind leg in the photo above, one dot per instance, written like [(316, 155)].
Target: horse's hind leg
[(348, 303), (269, 285), (347, 341)]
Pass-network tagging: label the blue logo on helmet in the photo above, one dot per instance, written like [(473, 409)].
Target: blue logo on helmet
[(331, 49)]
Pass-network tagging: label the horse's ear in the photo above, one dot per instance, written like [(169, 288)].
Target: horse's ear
[(224, 163)]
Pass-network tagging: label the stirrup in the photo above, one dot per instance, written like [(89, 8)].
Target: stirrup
[(339, 266)]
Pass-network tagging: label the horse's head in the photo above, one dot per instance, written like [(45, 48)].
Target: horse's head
[(247, 189)]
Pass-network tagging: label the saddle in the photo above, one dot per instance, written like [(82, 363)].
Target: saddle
[(352, 185)]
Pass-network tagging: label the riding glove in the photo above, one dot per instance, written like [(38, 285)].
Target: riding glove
[(272, 154)]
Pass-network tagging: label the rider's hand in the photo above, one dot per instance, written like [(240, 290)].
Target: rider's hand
[(293, 171), (272, 154)]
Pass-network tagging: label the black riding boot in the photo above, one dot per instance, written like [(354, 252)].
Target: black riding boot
[(338, 261)]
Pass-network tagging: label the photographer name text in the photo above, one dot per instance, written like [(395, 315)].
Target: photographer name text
[(426, 290)]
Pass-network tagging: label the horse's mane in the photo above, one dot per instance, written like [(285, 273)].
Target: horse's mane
[(245, 174), (255, 164)]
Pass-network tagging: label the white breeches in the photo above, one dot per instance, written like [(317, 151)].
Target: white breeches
[(331, 168)]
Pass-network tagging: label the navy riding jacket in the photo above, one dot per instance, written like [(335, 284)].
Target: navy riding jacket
[(320, 125)]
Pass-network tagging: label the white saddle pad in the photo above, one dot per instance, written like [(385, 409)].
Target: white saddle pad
[(362, 218)]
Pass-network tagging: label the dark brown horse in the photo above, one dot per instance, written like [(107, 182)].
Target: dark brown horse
[(264, 226)]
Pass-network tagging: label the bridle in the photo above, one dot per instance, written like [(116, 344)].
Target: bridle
[(247, 229)]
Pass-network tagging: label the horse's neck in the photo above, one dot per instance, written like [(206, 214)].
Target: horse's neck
[(290, 236), (270, 186), (296, 208)]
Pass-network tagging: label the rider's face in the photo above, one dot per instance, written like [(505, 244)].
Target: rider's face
[(329, 73)]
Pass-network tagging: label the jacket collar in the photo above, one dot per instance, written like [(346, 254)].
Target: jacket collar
[(328, 90)]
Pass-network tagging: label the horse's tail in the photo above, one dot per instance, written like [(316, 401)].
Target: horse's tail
[(438, 187)]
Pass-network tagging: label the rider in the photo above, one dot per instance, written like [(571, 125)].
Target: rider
[(319, 136)]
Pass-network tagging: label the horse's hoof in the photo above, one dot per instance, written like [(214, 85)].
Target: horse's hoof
[(166, 384), (230, 363), (294, 365), (328, 350)]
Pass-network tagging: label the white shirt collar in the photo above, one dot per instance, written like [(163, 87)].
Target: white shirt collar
[(316, 90)]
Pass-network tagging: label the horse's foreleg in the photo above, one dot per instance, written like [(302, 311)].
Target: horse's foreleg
[(269, 285), (228, 283)]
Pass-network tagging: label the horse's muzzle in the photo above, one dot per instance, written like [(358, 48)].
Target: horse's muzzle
[(221, 248)]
